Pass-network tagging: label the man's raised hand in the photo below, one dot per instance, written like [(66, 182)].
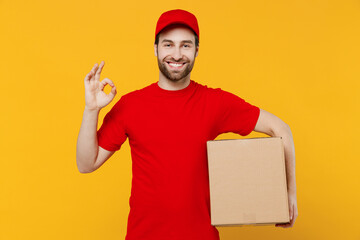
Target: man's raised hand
[(95, 97)]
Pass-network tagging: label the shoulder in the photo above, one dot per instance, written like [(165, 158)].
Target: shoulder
[(138, 93), (209, 90), (219, 94), (129, 99), (222, 96)]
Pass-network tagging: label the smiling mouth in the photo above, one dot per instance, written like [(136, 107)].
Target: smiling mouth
[(176, 65)]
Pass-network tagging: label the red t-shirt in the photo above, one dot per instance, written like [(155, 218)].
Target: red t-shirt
[(167, 131)]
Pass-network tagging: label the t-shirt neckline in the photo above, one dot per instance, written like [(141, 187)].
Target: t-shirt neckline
[(180, 92)]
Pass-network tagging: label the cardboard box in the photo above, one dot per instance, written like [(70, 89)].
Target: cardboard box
[(247, 181)]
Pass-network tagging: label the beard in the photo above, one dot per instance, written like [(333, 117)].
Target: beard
[(175, 75)]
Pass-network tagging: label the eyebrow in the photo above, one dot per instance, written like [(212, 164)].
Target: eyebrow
[(184, 41)]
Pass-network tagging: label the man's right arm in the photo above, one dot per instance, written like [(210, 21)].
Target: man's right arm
[(89, 155)]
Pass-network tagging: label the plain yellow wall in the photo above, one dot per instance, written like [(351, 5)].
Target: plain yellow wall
[(299, 60)]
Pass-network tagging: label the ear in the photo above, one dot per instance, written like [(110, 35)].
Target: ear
[(155, 49), (197, 51)]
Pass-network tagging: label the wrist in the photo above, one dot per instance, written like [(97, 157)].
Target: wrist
[(292, 190), (92, 110)]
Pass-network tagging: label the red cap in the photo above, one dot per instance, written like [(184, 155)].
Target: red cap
[(177, 16)]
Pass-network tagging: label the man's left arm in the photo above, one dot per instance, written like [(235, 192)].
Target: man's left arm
[(271, 125)]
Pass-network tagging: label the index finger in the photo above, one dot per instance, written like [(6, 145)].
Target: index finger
[(90, 75), (98, 72)]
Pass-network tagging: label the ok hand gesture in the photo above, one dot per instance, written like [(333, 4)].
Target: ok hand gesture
[(95, 97)]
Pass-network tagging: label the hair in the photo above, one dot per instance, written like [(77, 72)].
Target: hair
[(196, 39)]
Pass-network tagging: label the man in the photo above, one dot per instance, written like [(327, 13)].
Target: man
[(168, 124)]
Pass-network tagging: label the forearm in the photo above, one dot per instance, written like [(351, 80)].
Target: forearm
[(289, 150), (87, 144)]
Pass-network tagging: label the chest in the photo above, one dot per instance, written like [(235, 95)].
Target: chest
[(156, 122)]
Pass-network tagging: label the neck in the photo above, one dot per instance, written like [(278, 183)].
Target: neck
[(167, 84)]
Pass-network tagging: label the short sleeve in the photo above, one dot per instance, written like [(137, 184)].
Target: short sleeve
[(237, 115), (112, 134)]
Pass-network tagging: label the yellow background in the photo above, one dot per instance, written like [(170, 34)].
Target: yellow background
[(299, 60)]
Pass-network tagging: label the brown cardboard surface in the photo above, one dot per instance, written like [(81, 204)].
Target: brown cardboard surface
[(247, 181)]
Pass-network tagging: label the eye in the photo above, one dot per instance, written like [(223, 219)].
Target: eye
[(167, 45), (186, 45)]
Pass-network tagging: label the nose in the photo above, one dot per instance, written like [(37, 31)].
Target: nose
[(177, 53)]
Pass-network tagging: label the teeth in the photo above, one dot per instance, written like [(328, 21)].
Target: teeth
[(175, 65)]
